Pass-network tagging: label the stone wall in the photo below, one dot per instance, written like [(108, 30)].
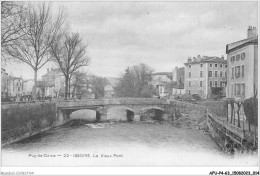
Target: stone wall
[(187, 108), (23, 120)]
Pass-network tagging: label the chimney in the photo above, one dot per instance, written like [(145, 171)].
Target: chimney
[(189, 59), (194, 59), (198, 58), (47, 70), (222, 57), (251, 32), (254, 31)]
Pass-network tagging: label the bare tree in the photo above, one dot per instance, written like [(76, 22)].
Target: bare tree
[(69, 52), (34, 47), (12, 23)]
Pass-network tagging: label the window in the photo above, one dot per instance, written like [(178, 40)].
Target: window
[(237, 70), (220, 73), (18, 89), (210, 65), (189, 74), (216, 83), (232, 58), (220, 65), (189, 83), (226, 66), (201, 65), (238, 89), (216, 73), (232, 90), (13, 88), (210, 73), (243, 88), (238, 57), (232, 76), (200, 83), (210, 83), (201, 73), (242, 70), (243, 55), (216, 65), (189, 66), (225, 74)]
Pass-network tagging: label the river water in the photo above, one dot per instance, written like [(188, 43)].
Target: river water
[(81, 143)]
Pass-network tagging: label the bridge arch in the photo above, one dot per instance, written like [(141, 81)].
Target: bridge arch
[(153, 112), (86, 113), (120, 113)]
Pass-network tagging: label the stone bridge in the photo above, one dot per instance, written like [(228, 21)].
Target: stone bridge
[(135, 107)]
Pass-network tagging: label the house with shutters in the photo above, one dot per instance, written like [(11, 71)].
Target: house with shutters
[(242, 61), (205, 76)]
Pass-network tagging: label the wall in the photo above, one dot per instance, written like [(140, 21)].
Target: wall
[(189, 108), (178, 91), (23, 120)]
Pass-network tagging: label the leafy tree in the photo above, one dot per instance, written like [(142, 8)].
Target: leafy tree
[(98, 86), (80, 83), (135, 82)]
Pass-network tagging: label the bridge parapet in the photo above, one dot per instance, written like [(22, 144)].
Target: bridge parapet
[(104, 102)]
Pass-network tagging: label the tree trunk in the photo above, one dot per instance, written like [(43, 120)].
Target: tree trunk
[(232, 110), (238, 118), (35, 84), (66, 87)]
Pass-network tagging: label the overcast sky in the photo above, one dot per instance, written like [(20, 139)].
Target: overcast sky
[(160, 34)]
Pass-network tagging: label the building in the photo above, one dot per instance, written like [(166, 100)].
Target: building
[(242, 61), (178, 78), (205, 76), (54, 83), (162, 81), (28, 87), (16, 86), (110, 87), (162, 76)]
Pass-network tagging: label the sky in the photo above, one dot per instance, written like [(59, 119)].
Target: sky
[(160, 34)]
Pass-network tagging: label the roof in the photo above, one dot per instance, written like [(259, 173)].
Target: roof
[(241, 43), (207, 59), (12, 77), (163, 73)]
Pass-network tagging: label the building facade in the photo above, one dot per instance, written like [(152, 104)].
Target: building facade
[(178, 80), (242, 60), (16, 86), (178, 76), (205, 76), (162, 81)]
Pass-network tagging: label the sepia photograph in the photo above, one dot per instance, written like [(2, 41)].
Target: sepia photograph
[(129, 84)]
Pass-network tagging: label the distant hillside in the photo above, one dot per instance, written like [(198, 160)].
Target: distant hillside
[(113, 81)]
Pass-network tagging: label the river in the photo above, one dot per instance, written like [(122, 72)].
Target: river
[(80, 143)]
